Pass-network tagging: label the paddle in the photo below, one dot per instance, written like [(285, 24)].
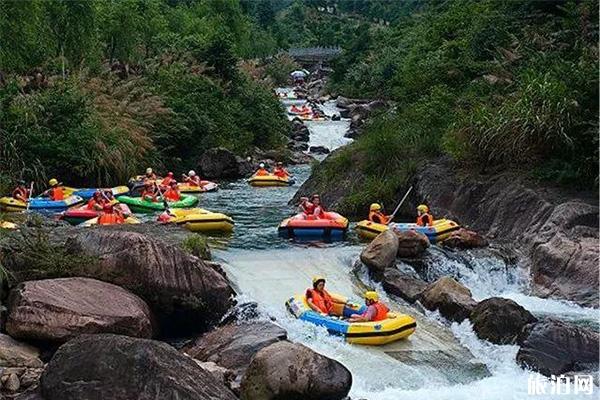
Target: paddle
[(29, 197), (399, 204), (165, 203)]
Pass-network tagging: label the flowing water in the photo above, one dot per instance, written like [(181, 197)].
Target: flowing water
[(440, 361)]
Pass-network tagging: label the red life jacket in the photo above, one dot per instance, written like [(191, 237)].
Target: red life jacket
[(381, 314), (308, 208), (280, 172), (172, 195), (420, 221), (166, 181), (20, 193), (322, 301), (57, 194)]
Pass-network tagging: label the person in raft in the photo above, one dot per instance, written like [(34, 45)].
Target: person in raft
[(305, 207), (192, 179), (377, 216), (376, 310), (172, 193), (150, 192), (55, 192), (166, 182), (150, 175), (280, 171), (262, 171), (97, 201), (319, 209), (424, 218), (110, 215), (317, 297), (21, 192)]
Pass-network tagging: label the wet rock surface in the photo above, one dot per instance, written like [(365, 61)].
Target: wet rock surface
[(97, 367), (411, 243), (554, 347), (464, 239), (59, 309), (406, 286), (381, 252), (450, 298), (500, 320), (293, 371)]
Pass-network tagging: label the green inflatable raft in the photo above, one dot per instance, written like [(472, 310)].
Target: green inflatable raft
[(138, 205)]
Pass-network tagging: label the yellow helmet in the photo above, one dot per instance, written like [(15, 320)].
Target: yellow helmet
[(318, 278), (423, 208), (375, 207), (53, 182), (371, 295)]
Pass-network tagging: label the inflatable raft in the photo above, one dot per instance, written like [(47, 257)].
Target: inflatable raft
[(40, 204), (333, 226), (94, 221), (299, 111), (79, 215), (137, 204), (270, 180), (440, 229), (205, 186), (395, 327), (200, 220), (88, 193)]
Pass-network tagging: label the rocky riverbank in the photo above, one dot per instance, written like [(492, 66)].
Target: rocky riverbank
[(97, 325)]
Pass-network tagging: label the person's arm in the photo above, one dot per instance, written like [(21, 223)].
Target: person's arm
[(369, 315)]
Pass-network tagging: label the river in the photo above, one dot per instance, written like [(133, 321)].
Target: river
[(440, 361)]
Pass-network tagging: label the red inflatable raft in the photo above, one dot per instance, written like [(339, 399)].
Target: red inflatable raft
[(301, 226)]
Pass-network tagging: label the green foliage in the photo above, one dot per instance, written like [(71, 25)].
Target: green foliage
[(493, 84), (197, 245)]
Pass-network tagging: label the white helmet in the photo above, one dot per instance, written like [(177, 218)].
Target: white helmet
[(192, 173), (262, 165), (148, 170)]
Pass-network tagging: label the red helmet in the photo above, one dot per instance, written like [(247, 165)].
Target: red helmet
[(170, 174)]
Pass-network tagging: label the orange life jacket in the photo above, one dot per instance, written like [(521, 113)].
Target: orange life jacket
[(280, 172), (166, 181), (110, 218), (322, 301), (382, 311), (172, 194), (378, 217), (57, 194), (262, 172), (420, 219)]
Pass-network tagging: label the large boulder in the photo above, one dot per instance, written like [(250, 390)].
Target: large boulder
[(287, 370), (185, 294), (319, 150), (554, 347), (500, 320), (450, 298), (218, 163), (464, 239), (97, 367), (411, 243), (60, 309), (408, 287), (234, 345), (381, 252)]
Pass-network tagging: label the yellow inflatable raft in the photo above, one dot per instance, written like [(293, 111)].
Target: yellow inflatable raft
[(270, 180), (200, 220), (439, 231), (395, 327)]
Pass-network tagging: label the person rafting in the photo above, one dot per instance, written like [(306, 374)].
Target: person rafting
[(319, 209), (150, 192), (21, 192), (305, 207), (150, 175), (172, 193), (110, 215), (262, 171), (377, 216), (97, 201), (424, 218), (165, 216), (192, 179), (317, 297), (280, 171), (55, 192), (376, 310), (166, 182)]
